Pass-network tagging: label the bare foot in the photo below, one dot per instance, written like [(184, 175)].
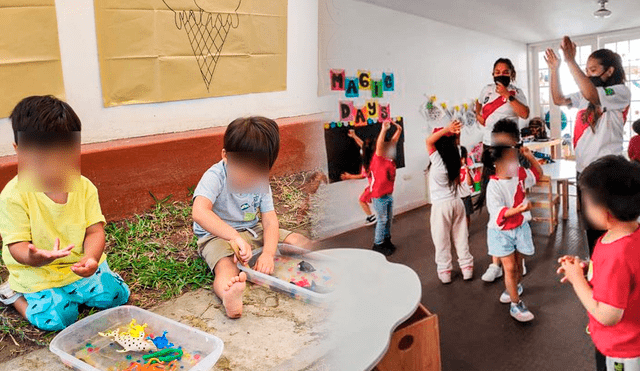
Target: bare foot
[(232, 297)]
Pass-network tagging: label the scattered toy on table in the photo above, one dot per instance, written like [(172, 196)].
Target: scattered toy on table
[(306, 267), (128, 342), (161, 342), (165, 355), (136, 330)]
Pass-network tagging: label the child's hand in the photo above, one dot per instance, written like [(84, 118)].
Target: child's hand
[(570, 258), (386, 125), (572, 268), (86, 267), (351, 133), (523, 207), (265, 264), (244, 250), (569, 49), (43, 257), (454, 127), (526, 152), (345, 176), (552, 59)]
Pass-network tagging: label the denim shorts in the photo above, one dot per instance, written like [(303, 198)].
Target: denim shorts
[(504, 243)]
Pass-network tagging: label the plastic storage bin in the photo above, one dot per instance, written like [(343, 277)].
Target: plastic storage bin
[(322, 263), (81, 347)]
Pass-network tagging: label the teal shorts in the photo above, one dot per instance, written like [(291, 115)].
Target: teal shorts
[(56, 308)]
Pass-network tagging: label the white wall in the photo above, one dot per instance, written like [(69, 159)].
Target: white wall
[(427, 57), (76, 27)]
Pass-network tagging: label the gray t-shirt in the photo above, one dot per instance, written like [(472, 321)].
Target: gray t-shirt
[(239, 210)]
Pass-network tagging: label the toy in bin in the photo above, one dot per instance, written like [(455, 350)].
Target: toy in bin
[(298, 272), (122, 339)]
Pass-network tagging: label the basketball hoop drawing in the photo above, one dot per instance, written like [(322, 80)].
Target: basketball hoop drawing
[(207, 33)]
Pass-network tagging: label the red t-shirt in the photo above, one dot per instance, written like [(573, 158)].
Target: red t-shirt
[(634, 148), (615, 278), (383, 176)]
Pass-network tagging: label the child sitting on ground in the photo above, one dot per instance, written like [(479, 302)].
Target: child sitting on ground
[(226, 205), (610, 293), (49, 206), (448, 216), (367, 148), (508, 233)]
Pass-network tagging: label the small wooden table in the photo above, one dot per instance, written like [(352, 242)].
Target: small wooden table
[(374, 297), (551, 143), (562, 171)]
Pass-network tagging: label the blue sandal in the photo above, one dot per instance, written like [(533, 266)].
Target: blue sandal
[(8, 296)]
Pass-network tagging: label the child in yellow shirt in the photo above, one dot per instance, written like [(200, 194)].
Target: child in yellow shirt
[(51, 223)]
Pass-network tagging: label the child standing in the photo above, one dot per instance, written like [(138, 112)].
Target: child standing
[(610, 293), (466, 185), (226, 205), (367, 148), (448, 216), (49, 206), (634, 143), (505, 133), (603, 101), (508, 233), (383, 177)]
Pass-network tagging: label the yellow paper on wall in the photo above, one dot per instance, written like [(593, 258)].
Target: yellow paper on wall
[(29, 52), (168, 50)]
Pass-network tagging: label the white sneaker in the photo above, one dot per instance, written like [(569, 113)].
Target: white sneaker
[(467, 272), (492, 273), (445, 276), (7, 295), (506, 299), (524, 268), (520, 312)]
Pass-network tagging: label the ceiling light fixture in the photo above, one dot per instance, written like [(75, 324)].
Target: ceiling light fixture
[(603, 12)]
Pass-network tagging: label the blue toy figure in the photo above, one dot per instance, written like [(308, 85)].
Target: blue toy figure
[(161, 342)]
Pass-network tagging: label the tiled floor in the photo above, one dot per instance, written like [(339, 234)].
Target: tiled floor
[(477, 332)]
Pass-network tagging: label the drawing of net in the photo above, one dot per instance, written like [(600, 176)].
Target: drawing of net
[(207, 32)]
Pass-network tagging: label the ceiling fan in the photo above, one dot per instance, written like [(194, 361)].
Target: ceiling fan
[(603, 12)]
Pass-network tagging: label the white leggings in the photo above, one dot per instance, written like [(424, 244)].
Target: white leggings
[(449, 222)]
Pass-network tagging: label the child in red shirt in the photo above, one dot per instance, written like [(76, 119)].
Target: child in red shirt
[(383, 176), (634, 143), (611, 197)]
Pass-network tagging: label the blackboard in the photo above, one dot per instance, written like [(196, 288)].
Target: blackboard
[(343, 154)]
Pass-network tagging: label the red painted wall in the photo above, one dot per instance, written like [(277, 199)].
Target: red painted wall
[(125, 171)]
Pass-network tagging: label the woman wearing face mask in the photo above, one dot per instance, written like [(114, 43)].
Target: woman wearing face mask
[(603, 101), (500, 100)]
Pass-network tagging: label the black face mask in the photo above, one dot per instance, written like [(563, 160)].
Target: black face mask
[(596, 80), (504, 80)]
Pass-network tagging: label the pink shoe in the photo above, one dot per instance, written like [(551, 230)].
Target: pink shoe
[(467, 272), (445, 276)]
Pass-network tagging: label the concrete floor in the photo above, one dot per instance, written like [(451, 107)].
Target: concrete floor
[(477, 333)]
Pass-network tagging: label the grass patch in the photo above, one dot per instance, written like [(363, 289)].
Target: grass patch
[(156, 254)]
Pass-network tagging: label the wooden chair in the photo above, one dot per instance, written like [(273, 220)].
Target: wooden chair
[(542, 197)]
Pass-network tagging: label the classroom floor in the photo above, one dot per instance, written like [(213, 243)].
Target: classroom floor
[(476, 331)]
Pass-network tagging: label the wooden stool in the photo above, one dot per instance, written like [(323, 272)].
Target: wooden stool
[(415, 344)]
